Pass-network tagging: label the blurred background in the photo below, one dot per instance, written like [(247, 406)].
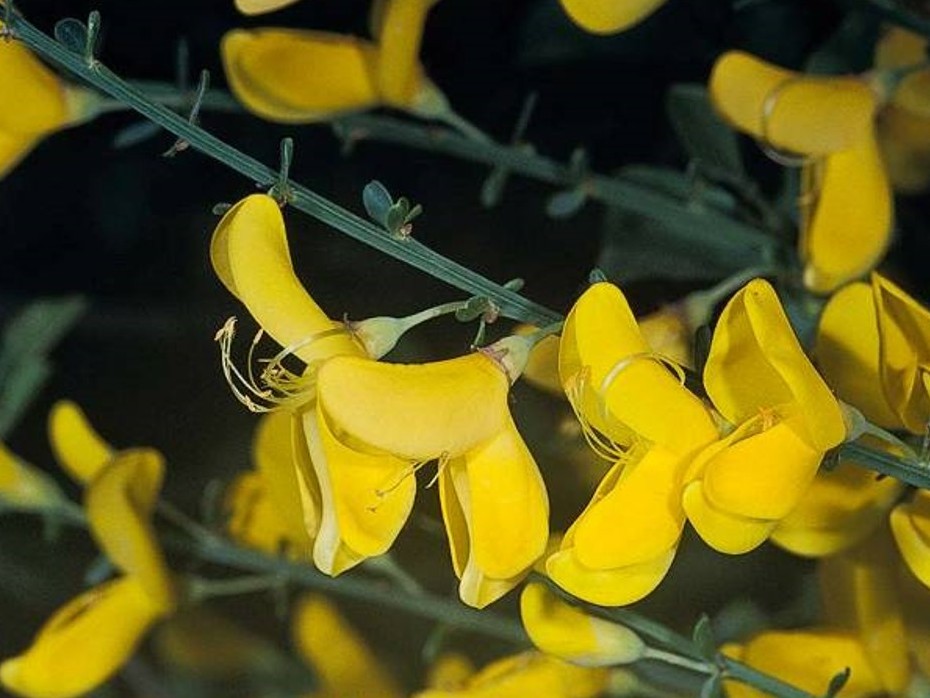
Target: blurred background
[(129, 230)]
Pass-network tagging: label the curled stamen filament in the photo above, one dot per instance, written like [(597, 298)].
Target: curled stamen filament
[(603, 447)]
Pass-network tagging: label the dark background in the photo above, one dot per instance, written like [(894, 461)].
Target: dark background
[(130, 230)]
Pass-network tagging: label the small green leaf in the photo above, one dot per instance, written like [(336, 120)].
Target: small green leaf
[(72, 34), (474, 307), (596, 276), (579, 163), (414, 213), (711, 688), (221, 208), (565, 204), (492, 190), (134, 134), (703, 134), (514, 285), (837, 682), (395, 218), (377, 200), (703, 637)]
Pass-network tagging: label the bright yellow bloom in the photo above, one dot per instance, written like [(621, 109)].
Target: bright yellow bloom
[(759, 379), (344, 666), (23, 486), (910, 524), (89, 638), (260, 7), (863, 630), (842, 507), (451, 671), (528, 674), (367, 425), (564, 631), (44, 103), (846, 222), (873, 346), (609, 16)]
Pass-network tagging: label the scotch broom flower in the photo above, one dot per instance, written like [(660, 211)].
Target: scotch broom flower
[(260, 7), (873, 346), (44, 103), (910, 524), (528, 674), (25, 487), (337, 654), (564, 631), (846, 222), (608, 16), (89, 638), (759, 379)]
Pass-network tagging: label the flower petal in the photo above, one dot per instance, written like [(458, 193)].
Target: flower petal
[(78, 448), (904, 140), (398, 73), (366, 498), (842, 507), (337, 653), (24, 486), (414, 411), (83, 643), (260, 7), (119, 503), (567, 632), (724, 532), (251, 518), (850, 224), (612, 587), (910, 524), (13, 148), (273, 453), (900, 48), (636, 520), (904, 332), (293, 76), (41, 103), (608, 16), (800, 113), (250, 256), (756, 363), (847, 352)]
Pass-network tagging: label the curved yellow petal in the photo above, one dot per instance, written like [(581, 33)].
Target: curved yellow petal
[(77, 447), (529, 674), (13, 148), (119, 504), (41, 103), (450, 671), (799, 113), (638, 518), (398, 74), (904, 343), (859, 592), (24, 486), (611, 587), (252, 519), (414, 411), (260, 7), (273, 453), (629, 394), (542, 367), (847, 353), (850, 224), (667, 333), (337, 653), (366, 498), (83, 643), (904, 140), (910, 524), (609, 16), (293, 76), (250, 255), (763, 470), (721, 530), (756, 363), (808, 659), (841, 508), (496, 511), (566, 632), (900, 48)]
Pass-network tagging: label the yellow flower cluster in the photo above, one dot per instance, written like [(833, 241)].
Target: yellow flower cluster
[(295, 76)]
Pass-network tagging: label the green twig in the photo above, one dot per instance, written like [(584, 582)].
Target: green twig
[(511, 304), (908, 471)]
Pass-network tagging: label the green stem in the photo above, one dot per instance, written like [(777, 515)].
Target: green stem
[(910, 472), (412, 252), (752, 677), (200, 589), (699, 667)]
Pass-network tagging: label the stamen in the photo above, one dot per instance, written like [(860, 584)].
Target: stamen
[(441, 464), (603, 447)]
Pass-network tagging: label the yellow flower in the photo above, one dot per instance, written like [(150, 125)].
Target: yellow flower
[(910, 524), (23, 486), (265, 509), (367, 425), (344, 666), (44, 103), (528, 674), (609, 16), (873, 346), (295, 76), (566, 632), (260, 7), (637, 414), (842, 507), (863, 630), (846, 222), (90, 637), (759, 379)]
